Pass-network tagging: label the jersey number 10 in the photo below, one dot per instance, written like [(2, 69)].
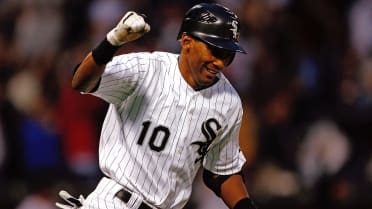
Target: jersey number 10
[(158, 139)]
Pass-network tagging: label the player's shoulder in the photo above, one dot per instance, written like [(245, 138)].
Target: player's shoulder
[(225, 83), (165, 56), (222, 88), (146, 57), (225, 87), (155, 56)]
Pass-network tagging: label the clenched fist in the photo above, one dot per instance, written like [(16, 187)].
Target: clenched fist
[(131, 27)]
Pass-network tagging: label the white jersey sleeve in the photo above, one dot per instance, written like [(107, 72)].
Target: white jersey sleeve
[(121, 77), (225, 157)]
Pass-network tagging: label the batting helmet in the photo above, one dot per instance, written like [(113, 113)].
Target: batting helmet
[(213, 24)]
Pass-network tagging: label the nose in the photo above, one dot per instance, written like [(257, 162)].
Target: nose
[(219, 64)]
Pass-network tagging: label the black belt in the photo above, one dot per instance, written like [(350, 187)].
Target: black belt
[(125, 196)]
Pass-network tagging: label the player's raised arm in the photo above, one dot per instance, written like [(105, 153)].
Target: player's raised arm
[(87, 75)]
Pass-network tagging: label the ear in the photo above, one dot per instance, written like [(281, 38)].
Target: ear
[(186, 41)]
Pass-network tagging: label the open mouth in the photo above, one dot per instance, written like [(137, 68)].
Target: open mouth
[(211, 71)]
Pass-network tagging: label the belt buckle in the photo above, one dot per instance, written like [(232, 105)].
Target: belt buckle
[(126, 195)]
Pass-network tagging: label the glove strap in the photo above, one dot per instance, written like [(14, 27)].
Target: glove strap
[(103, 52)]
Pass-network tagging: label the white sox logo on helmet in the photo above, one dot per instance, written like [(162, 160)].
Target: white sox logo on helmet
[(234, 29)]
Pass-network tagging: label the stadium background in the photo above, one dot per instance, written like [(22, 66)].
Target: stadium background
[(306, 85)]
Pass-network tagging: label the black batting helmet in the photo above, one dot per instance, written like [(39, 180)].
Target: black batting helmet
[(214, 24)]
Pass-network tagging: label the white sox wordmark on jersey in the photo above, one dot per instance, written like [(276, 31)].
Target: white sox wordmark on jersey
[(158, 131)]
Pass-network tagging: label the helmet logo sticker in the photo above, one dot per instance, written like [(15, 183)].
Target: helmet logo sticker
[(234, 29), (207, 17)]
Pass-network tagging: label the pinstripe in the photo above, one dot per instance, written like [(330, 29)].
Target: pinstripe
[(170, 70), (156, 76), (132, 142), (140, 100), (106, 126), (161, 110)]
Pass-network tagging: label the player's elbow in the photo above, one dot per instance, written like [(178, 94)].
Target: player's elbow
[(213, 181), (76, 85), (83, 86), (84, 80)]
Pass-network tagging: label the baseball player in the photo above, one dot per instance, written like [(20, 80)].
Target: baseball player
[(169, 115)]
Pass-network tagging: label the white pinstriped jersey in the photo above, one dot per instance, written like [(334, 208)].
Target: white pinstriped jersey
[(158, 131)]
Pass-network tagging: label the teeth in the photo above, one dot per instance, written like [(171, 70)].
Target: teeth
[(211, 71)]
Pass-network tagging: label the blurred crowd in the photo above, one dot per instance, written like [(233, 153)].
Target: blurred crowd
[(306, 86)]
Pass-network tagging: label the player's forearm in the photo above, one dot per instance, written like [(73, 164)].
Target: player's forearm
[(230, 188), (233, 190), (87, 75)]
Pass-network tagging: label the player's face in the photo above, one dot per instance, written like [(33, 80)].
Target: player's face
[(205, 62)]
